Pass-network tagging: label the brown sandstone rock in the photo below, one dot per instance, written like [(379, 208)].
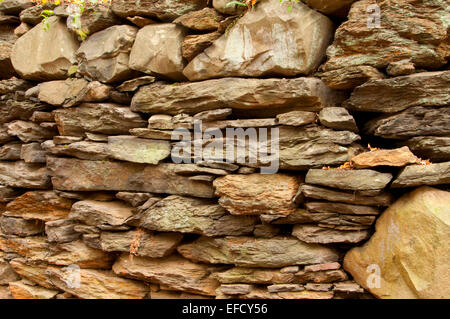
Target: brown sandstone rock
[(221, 6), (399, 93), (72, 92), (338, 7), (78, 175), (94, 18), (296, 118), (173, 272), (137, 150), (35, 272), (14, 7), (266, 41), (20, 290), (396, 157), (317, 192), (36, 249), (24, 175), (20, 227), (153, 245), (19, 110), (82, 150), (206, 19), (10, 151), (347, 78), (165, 10), (102, 118), (247, 94), (410, 249), (414, 121), (320, 235), (256, 194), (254, 276), (195, 44), (437, 149), (257, 252), (157, 50), (337, 118), (61, 231), (7, 274), (96, 213), (37, 56), (363, 179), (104, 56), (29, 131), (327, 207), (417, 175), (41, 205), (98, 284), (191, 215), (359, 41)]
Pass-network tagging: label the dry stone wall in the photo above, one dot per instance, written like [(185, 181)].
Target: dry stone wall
[(105, 194)]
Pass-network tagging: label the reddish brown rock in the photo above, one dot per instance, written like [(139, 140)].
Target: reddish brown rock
[(98, 284), (397, 158), (173, 272), (41, 205), (256, 194)]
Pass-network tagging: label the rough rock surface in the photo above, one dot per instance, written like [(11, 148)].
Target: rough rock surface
[(415, 121), (104, 118), (78, 175), (190, 215), (421, 38), (24, 175), (267, 41), (257, 252), (98, 284), (165, 10), (173, 272), (351, 180), (137, 150), (397, 94), (45, 55), (157, 50), (247, 94), (397, 157), (105, 55), (394, 249), (416, 175), (40, 205), (256, 194)]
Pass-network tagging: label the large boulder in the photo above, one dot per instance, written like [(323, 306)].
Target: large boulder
[(14, 7), (269, 40), (105, 55), (421, 38), (157, 50), (45, 52), (408, 255)]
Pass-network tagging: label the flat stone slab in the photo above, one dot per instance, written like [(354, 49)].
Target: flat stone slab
[(362, 179), (416, 175)]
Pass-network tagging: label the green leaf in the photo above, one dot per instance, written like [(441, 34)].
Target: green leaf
[(237, 3)]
